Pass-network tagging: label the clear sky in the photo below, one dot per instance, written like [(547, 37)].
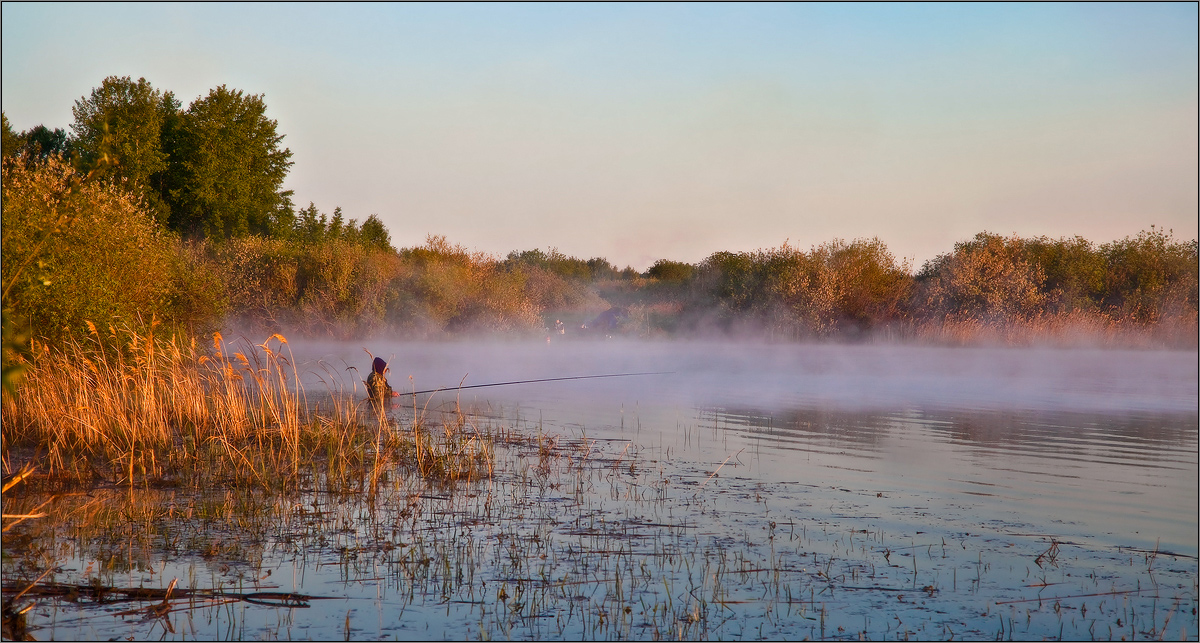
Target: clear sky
[(639, 132)]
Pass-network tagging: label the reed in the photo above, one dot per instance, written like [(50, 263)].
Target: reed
[(131, 408)]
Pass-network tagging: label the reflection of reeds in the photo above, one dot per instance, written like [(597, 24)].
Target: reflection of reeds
[(136, 408)]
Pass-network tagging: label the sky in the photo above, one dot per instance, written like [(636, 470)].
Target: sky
[(638, 132)]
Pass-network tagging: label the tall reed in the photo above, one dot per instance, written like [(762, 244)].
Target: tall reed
[(130, 407)]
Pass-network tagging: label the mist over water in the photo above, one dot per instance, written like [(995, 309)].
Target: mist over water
[(786, 376)]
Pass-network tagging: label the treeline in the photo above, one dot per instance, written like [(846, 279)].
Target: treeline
[(214, 170), (989, 287), (79, 250), (149, 213)]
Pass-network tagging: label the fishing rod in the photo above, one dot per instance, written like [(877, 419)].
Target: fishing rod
[(548, 379)]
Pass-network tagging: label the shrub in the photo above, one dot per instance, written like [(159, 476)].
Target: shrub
[(667, 270), (1074, 273), (1151, 275), (836, 287), (78, 249), (860, 285), (985, 279)]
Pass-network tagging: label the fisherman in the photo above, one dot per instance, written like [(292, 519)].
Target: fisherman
[(378, 388), (559, 327)]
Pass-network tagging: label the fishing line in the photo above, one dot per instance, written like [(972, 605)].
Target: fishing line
[(548, 379)]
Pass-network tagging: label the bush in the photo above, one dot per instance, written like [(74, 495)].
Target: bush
[(78, 249), (667, 270), (835, 288), (1150, 276), (860, 285), (1074, 272), (985, 279), (330, 288), (461, 291)]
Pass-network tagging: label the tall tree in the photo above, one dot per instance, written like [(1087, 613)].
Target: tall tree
[(227, 168), (118, 133)]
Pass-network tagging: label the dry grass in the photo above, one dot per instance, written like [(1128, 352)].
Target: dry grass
[(1072, 329), (131, 408)]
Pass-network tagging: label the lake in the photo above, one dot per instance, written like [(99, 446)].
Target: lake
[(744, 491)]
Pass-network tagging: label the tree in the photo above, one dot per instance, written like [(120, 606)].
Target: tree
[(227, 168), (1151, 275), (12, 140), (41, 141), (987, 278), (119, 134), (374, 233), (310, 225)]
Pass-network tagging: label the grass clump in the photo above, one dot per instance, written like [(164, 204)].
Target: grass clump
[(131, 408)]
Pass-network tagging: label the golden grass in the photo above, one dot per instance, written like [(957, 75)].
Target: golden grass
[(131, 408)]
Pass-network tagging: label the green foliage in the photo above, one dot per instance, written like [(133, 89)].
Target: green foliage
[(1151, 275), (313, 226), (735, 280), (835, 287), (11, 140), (667, 270), (81, 250), (37, 143), (863, 283), (990, 278), (42, 141), (373, 233), (119, 132), (16, 351), (227, 169), (337, 288), (468, 291), (331, 288), (1074, 272), (987, 278), (556, 262)]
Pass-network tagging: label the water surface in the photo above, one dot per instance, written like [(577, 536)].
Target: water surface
[(754, 491)]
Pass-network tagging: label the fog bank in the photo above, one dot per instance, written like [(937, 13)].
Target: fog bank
[(779, 376)]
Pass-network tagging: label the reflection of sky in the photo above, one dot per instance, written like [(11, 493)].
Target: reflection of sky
[(643, 131), (1108, 479)]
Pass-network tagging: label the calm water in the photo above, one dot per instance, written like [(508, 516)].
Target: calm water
[(754, 491)]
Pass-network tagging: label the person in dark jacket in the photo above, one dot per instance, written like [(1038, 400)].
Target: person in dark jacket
[(378, 388)]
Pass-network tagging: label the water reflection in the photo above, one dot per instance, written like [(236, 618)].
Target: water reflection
[(1149, 437), (1114, 479)]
